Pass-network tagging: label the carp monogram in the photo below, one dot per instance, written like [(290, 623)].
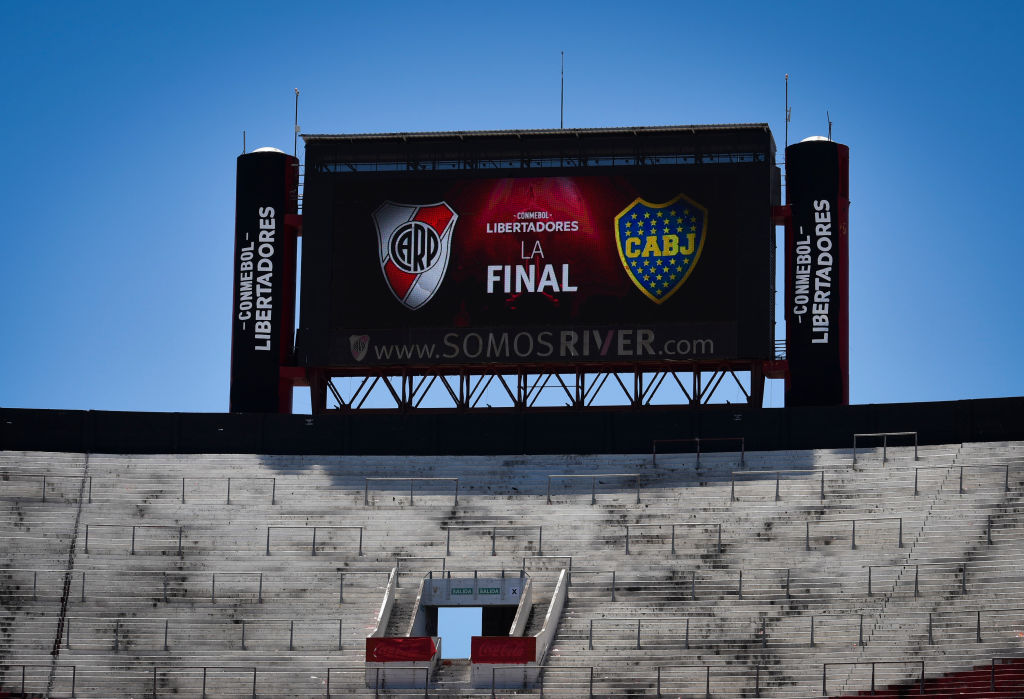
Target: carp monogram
[(415, 241)]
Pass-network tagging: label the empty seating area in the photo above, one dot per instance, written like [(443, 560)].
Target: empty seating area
[(735, 574)]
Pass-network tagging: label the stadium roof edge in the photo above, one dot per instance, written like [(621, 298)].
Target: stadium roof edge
[(417, 135)]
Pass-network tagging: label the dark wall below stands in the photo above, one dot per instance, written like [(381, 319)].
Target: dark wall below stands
[(590, 431)]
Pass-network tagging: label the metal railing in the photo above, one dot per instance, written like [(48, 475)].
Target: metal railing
[(707, 677), (494, 530), (7, 477), (825, 666), (860, 626), (179, 668), (36, 579), (315, 528), (1006, 476), (691, 581), (43, 676), (582, 678), (777, 473), (885, 442), (344, 671), (134, 527), (528, 674), (975, 615), (378, 686), (412, 485), (639, 621), (123, 624), (164, 589), (273, 485), (593, 482), (697, 441), (673, 525), (853, 528), (399, 559)]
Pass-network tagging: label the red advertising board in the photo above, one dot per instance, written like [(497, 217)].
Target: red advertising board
[(503, 649), (403, 649)]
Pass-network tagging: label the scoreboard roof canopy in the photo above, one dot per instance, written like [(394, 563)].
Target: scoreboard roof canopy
[(538, 148)]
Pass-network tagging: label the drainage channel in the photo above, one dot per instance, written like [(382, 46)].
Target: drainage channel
[(67, 582)]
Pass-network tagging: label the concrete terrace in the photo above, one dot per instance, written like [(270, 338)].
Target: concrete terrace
[(773, 574)]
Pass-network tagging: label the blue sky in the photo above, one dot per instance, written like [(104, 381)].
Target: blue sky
[(122, 121)]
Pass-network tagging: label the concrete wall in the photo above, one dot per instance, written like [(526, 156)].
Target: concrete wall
[(555, 431)]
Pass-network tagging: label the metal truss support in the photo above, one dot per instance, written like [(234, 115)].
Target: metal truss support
[(692, 385)]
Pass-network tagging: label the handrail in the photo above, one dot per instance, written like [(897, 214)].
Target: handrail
[(415, 668), (272, 479), (44, 476), (733, 474), (853, 530), (545, 671), (412, 484), (639, 620), (960, 565), (523, 671), (361, 672), (885, 442), (134, 527), (204, 668), (872, 663), (1006, 477), (493, 529), (399, 559), (46, 666), (697, 441), (314, 528), (674, 525), (119, 622), (959, 568), (707, 676), (8, 476), (593, 483), (786, 586), (860, 626)]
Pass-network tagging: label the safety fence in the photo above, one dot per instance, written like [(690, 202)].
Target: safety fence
[(696, 442)]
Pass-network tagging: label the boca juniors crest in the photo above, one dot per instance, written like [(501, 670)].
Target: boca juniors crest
[(415, 242), (659, 244)]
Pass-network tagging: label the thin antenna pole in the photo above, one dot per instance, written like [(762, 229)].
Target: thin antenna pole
[(787, 112), (828, 117), (295, 139), (561, 113)]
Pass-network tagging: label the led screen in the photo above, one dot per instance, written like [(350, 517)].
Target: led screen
[(630, 266)]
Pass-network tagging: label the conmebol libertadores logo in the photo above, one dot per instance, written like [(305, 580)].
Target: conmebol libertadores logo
[(415, 242)]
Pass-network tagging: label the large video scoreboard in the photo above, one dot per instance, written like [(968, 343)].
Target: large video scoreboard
[(640, 247)]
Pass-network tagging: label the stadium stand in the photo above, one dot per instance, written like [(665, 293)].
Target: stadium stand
[(741, 574)]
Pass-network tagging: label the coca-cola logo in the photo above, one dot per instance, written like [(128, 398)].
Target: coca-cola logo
[(404, 649), (503, 649)]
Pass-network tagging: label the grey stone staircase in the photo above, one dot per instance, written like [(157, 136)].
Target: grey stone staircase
[(735, 616)]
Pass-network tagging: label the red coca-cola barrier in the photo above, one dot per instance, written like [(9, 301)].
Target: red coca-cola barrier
[(400, 649), (503, 649)]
